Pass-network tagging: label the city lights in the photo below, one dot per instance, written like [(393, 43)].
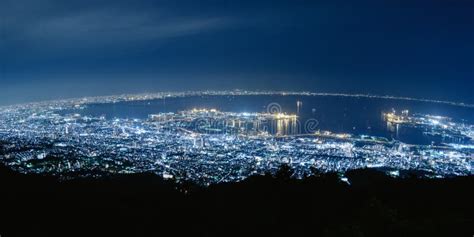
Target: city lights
[(207, 145)]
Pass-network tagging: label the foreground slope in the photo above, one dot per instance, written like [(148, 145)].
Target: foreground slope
[(135, 205)]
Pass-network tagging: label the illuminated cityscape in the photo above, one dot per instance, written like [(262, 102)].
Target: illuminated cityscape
[(207, 146), (236, 118)]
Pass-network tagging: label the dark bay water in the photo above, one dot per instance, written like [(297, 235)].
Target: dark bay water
[(337, 114)]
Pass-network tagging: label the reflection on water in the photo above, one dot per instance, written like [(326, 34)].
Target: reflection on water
[(427, 128), (249, 126), (341, 115), (281, 127)]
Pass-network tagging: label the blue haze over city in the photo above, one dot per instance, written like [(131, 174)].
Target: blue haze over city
[(54, 49)]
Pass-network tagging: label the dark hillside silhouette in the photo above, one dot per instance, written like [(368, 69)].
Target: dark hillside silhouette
[(137, 205)]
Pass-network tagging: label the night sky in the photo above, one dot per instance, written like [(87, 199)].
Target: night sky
[(58, 49)]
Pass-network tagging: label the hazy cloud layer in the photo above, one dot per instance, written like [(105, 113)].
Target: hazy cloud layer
[(49, 25), (413, 48)]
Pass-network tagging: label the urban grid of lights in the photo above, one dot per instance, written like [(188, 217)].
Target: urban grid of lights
[(209, 146)]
